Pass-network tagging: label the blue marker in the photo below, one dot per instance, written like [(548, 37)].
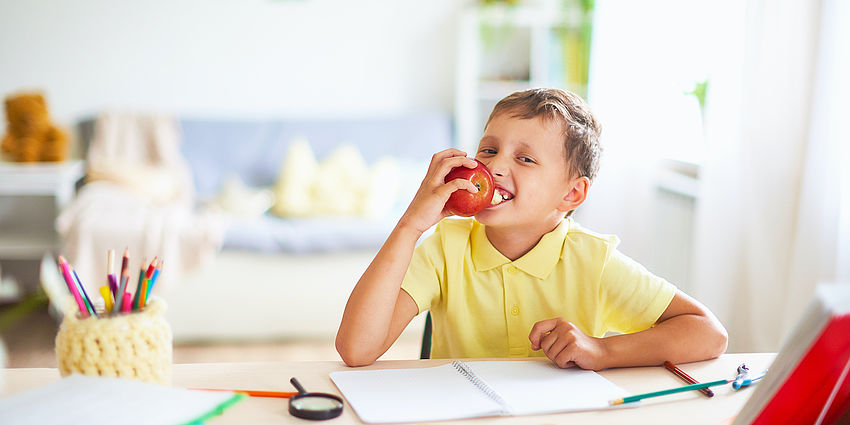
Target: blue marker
[(743, 381)]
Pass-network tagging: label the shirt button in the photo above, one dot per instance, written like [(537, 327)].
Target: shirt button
[(515, 310), (512, 269)]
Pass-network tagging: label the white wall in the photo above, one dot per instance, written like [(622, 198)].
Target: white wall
[(231, 58)]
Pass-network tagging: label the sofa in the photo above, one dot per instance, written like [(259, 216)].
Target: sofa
[(284, 278)]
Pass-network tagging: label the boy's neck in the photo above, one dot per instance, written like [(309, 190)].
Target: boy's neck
[(514, 242)]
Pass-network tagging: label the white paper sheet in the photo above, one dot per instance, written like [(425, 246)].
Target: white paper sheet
[(88, 400)]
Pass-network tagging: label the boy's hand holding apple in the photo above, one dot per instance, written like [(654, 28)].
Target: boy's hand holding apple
[(429, 204)]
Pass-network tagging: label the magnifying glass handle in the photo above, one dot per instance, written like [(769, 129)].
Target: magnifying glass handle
[(297, 385)]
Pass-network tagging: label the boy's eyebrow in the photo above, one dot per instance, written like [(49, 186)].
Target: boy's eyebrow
[(525, 144)]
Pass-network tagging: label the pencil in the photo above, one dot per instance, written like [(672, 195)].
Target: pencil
[(152, 280), (253, 393), (122, 289), (126, 302), (125, 261), (110, 274), (83, 290), (143, 297), (107, 298), (151, 268), (72, 287), (138, 294), (670, 391), (687, 378)]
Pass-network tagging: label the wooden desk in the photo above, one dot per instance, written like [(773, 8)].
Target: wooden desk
[(691, 408)]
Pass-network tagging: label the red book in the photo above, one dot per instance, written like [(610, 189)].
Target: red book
[(809, 381)]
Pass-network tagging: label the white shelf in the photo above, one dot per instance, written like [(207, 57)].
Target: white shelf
[(40, 179), (24, 247), (27, 230), (528, 54)]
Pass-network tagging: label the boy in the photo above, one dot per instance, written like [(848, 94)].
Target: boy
[(522, 278)]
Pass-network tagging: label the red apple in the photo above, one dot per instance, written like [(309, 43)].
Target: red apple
[(464, 203)]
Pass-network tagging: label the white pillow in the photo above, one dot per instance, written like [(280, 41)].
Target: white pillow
[(381, 188), (341, 184), (238, 200), (294, 183)]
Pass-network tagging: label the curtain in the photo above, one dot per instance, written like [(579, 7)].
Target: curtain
[(772, 212), (645, 56), (774, 206)]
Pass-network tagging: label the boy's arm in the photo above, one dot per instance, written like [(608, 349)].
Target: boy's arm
[(687, 331), (378, 310)]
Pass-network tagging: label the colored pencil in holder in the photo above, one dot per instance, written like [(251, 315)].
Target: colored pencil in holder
[(89, 304), (137, 296), (122, 289), (110, 274), (107, 297), (72, 287)]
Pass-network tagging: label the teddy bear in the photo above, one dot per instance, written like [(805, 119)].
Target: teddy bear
[(30, 136)]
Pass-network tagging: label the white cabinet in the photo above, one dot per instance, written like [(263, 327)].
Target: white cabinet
[(503, 49), (31, 196)]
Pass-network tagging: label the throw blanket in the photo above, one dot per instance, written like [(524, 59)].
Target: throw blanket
[(139, 196)]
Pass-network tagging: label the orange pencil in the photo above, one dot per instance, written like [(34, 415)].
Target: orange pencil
[(687, 378), (253, 393)]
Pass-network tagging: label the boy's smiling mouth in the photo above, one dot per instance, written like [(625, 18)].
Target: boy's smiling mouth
[(501, 196)]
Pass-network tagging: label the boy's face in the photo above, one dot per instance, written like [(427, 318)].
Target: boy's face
[(528, 161)]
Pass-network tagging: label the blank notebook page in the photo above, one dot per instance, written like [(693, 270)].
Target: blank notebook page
[(542, 387), (412, 395)]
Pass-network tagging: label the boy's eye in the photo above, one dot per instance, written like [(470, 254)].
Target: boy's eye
[(488, 150), (526, 159)]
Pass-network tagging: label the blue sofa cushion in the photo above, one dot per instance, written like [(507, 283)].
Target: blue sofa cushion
[(308, 235), (254, 150)]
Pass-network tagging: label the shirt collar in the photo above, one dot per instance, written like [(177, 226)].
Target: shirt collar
[(538, 262)]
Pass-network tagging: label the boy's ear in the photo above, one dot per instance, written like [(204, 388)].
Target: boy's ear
[(576, 195)]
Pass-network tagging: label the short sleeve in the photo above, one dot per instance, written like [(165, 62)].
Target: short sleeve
[(632, 298), (425, 273)]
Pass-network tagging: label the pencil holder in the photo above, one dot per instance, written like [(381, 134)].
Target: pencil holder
[(135, 345)]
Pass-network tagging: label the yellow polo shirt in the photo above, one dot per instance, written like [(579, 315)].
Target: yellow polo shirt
[(484, 305)]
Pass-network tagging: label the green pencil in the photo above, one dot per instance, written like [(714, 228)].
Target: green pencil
[(670, 391)]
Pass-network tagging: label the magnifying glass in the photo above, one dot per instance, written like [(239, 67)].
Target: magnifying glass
[(316, 406)]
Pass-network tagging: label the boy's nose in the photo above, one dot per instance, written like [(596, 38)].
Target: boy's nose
[(496, 167)]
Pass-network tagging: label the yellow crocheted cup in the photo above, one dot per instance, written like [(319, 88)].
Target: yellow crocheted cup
[(135, 345)]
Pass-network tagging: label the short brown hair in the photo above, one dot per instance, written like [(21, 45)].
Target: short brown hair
[(580, 128)]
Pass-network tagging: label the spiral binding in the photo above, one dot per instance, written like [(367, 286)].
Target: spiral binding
[(464, 370)]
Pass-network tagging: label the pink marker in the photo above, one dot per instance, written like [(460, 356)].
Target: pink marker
[(127, 302), (72, 286)]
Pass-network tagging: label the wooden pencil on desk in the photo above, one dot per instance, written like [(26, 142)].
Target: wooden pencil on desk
[(687, 378), (685, 388)]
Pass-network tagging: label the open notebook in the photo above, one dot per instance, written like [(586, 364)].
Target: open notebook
[(473, 389)]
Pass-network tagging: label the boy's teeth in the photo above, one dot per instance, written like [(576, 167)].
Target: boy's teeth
[(498, 198)]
